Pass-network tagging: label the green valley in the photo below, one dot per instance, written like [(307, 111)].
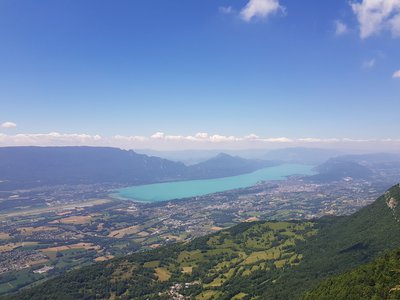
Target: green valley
[(261, 260)]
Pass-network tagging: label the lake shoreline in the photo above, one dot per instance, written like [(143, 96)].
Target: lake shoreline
[(175, 190)]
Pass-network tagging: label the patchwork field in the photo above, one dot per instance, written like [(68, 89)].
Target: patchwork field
[(11, 246), (86, 246), (120, 233), (30, 230), (103, 258), (250, 261), (162, 274), (4, 236), (73, 220), (226, 257)]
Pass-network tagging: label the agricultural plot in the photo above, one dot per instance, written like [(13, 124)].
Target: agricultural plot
[(120, 233), (76, 220), (4, 236), (31, 230), (219, 260)]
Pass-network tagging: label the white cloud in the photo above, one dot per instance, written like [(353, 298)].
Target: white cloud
[(131, 138), (277, 140), (358, 140), (340, 27), (375, 16), (368, 64), (395, 25), (252, 137), (260, 9), (396, 74), (226, 10), (216, 138), (201, 135), (49, 139), (319, 140), (175, 137), (8, 125), (310, 140), (158, 135)]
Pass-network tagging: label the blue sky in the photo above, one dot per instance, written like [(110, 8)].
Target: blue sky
[(275, 69)]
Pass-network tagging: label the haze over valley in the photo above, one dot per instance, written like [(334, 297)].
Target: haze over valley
[(61, 217), (199, 150)]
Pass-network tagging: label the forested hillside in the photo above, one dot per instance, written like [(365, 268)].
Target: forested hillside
[(379, 279)]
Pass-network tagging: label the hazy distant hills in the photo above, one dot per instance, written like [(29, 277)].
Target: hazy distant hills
[(225, 165), (302, 155), (24, 167), (261, 260), (334, 170), (33, 166), (361, 166), (372, 158)]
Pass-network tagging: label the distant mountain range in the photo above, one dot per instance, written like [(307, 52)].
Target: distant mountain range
[(301, 155), (261, 260), (25, 167), (224, 165), (372, 158), (355, 167), (334, 170)]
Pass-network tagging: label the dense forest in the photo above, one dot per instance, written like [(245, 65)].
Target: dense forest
[(379, 279)]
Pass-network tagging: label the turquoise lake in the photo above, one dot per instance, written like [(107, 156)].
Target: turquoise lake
[(191, 188)]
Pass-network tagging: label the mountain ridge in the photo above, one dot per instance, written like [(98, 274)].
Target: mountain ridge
[(27, 167)]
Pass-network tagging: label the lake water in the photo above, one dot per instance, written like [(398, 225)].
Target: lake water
[(191, 188)]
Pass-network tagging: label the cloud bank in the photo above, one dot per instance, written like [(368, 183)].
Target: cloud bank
[(201, 140)]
